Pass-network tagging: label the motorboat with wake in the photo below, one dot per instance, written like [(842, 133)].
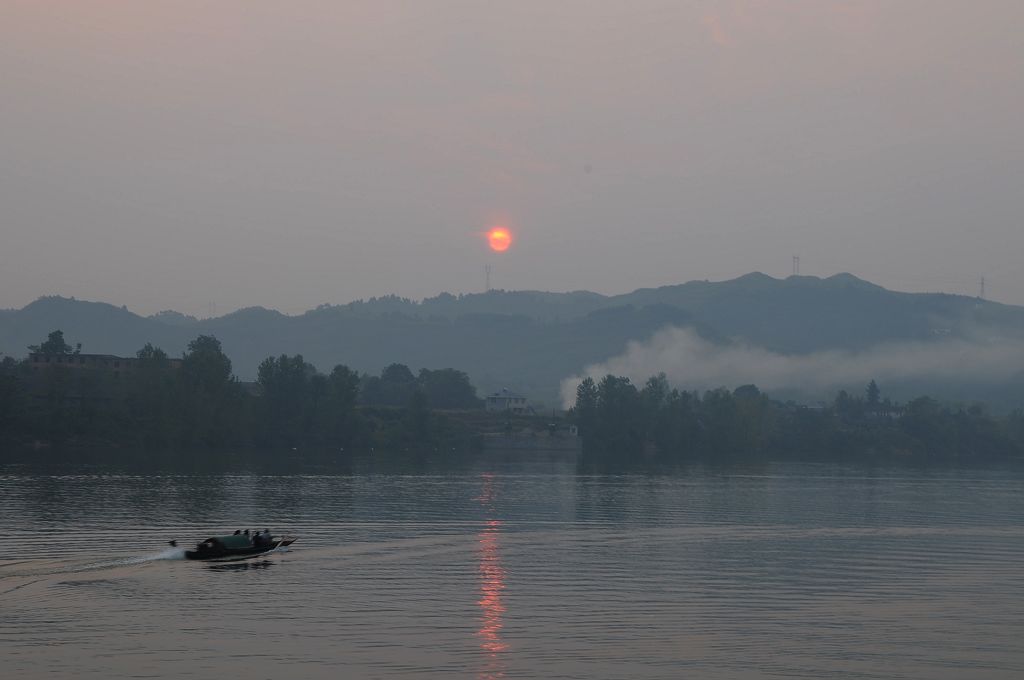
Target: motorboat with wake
[(236, 546)]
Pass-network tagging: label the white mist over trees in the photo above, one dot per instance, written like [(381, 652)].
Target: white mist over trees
[(691, 362)]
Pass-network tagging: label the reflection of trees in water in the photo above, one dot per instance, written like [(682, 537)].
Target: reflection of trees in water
[(617, 498), (73, 496), (492, 583), (184, 502)]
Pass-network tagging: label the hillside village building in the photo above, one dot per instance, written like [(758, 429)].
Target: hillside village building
[(107, 363), (507, 401), (82, 377)]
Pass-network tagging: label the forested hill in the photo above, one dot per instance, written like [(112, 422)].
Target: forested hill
[(529, 340)]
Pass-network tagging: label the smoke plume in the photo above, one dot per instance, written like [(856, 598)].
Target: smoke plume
[(690, 362)]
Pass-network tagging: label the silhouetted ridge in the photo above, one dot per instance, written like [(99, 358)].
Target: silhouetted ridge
[(529, 340)]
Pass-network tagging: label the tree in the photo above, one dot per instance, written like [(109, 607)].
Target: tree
[(344, 388), (149, 353), (677, 430), (653, 398), (212, 404), (927, 421), (341, 421), (12, 396), (447, 388), (873, 394), (394, 387), (398, 374), (417, 419), (54, 345), (586, 407), (619, 426), (152, 386), (848, 407), (753, 414), (655, 392), (205, 365), (288, 408), (748, 392), (720, 417)]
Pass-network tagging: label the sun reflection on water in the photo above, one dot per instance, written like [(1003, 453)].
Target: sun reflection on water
[(492, 583)]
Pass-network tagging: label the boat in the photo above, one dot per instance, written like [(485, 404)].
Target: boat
[(236, 546)]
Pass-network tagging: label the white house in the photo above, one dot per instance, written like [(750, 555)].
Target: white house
[(507, 401)]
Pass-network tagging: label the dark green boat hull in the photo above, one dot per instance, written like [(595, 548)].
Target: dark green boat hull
[(218, 549)]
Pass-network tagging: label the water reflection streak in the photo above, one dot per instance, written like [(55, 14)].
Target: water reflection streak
[(492, 583)]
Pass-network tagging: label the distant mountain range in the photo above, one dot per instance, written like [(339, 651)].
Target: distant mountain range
[(527, 340)]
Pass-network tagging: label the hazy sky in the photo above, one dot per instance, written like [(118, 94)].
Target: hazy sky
[(177, 154)]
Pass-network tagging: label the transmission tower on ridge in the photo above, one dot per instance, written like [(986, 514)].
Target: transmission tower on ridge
[(487, 278), (981, 291), (796, 265)]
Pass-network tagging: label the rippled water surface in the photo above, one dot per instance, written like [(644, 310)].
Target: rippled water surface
[(521, 569)]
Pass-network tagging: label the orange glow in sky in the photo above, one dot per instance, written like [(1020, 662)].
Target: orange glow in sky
[(499, 238)]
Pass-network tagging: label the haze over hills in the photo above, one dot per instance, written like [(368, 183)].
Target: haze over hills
[(789, 330)]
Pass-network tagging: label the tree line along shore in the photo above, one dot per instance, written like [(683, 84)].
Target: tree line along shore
[(619, 420), (58, 396)]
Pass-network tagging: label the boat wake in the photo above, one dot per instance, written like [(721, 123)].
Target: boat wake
[(169, 554), (166, 554), (51, 569)]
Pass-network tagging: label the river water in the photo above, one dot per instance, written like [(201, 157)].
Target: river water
[(510, 568)]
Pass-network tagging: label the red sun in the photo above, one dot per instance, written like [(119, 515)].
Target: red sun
[(499, 238)]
